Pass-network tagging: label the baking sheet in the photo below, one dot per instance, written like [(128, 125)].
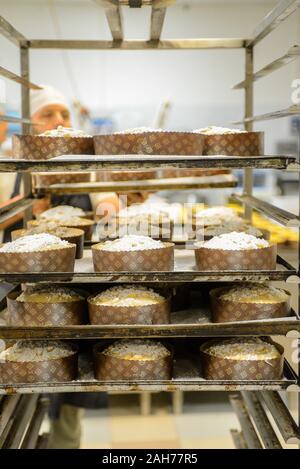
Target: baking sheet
[(186, 377), (185, 270), (188, 322)]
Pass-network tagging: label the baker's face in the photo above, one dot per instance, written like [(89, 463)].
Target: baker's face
[(50, 117)]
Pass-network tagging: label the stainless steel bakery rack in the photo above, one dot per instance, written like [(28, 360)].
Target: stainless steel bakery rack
[(20, 421), (258, 405)]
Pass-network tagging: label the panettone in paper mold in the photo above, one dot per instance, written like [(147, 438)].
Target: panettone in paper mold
[(60, 259), (157, 260), (224, 310), (220, 368), (63, 369), (112, 368), (154, 313), (30, 313), (38, 147), (245, 259)]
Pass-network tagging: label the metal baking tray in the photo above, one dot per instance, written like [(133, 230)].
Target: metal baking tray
[(186, 377), (116, 162), (185, 323), (184, 271)]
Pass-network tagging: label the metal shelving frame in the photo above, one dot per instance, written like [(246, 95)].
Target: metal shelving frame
[(20, 420), (255, 394)]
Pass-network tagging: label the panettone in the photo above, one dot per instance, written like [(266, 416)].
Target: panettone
[(51, 294), (37, 253), (129, 305), (248, 358), (248, 302), (38, 362), (72, 235), (133, 253), (235, 251), (62, 211), (135, 359), (41, 305), (70, 222)]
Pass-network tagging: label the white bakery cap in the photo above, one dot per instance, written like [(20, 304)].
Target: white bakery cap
[(46, 96)]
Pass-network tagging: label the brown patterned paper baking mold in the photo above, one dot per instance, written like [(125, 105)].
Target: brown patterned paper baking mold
[(108, 368), (51, 260), (73, 236), (228, 311), (29, 313), (124, 175), (55, 370), (158, 232), (227, 369), (158, 313), (149, 143), (47, 179), (36, 147), (87, 227), (239, 144), (88, 215), (154, 260), (245, 259)]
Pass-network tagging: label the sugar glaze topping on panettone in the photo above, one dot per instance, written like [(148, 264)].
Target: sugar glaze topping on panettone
[(50, 227), (66, 132), (127, 296), (139, 130), (34, 243), (43, 294), (132, 243), (217, 215), (214, 130), (137, 349), (233, 225), (243, 349), (254, 293), (36, 350)]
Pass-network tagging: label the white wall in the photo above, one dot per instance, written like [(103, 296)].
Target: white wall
[(132, 84)]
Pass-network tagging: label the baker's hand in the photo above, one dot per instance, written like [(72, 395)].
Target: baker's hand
[(107, 208)]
